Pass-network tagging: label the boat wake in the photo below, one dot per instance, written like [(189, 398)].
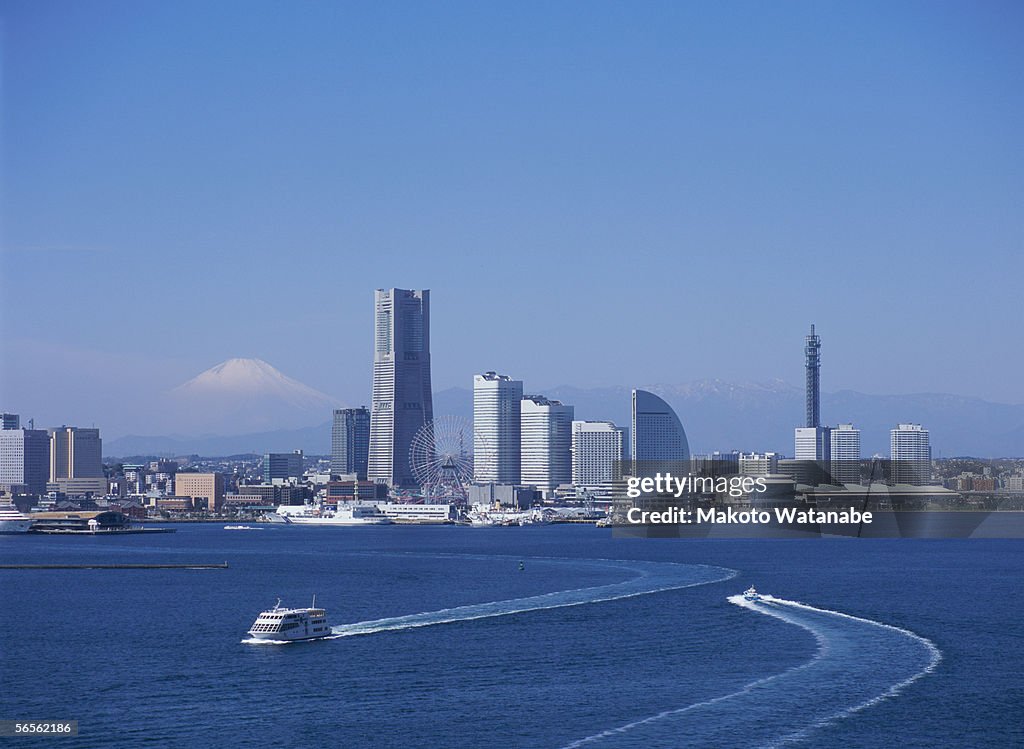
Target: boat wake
[(859, 662), (651, 577)]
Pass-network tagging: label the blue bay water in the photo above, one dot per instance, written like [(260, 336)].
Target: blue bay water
[(444, 642)]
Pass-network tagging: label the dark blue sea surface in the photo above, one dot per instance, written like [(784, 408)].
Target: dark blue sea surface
[(442, 641)]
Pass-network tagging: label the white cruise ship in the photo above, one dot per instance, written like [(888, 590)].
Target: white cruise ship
[(281, 624), (12, 521), (344, 515)]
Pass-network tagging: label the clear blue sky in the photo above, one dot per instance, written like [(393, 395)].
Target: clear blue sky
[(596, 193)]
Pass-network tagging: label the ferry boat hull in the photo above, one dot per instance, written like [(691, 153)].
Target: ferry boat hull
[(334, 520), (281, 624), (12, 521), (346, 516), (10, 527)]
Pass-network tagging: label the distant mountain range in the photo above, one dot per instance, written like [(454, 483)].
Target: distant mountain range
[(717, 415)]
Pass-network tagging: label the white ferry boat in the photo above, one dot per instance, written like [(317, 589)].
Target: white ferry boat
[(751, 595), (344, 515), (287, 625), (12, 521)]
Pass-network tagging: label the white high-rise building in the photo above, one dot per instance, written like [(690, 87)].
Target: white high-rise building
[(911, 452), (24, 457), (845, 466), (546, 442), (597, 453), (812, 443), (497, 410)]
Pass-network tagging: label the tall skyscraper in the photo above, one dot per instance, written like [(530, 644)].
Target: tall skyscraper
[(350, 441), (658, 435), (497, 411), (24, 456), (812, 441), (546, 447), (402, 399), (282, 466), (845, 466), (75, 453), (597, 453), (911, 451)]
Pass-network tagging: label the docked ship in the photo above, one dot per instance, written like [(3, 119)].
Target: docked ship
[(482, 516), (344, 515), (12, 521), (281, 624)]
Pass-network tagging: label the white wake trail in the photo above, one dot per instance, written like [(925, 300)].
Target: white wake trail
[(934, 658), (859, 662), (652, 577)]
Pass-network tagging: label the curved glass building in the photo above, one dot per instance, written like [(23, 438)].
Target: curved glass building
[(658, 435)]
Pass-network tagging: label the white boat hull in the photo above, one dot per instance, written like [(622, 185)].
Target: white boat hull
[(15, 526), (278, 637), (300, 520)]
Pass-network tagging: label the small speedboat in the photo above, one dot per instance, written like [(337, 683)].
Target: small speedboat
[(751, 595)]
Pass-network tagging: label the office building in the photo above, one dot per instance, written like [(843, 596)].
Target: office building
[(75, 453), (10, 421), (845, 454), (597, 454), (497, 412), (758, 464), (504, 495), (205, 489), (546, 442), (657, 434), (24, 457), (355, 491), (402, 399), (350, 442), (813, 444), (911, 452), (716, 464), (282, 466)]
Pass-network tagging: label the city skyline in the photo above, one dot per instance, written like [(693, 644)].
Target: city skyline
[(115, 425), (698, 162), (402, 375), (421, 337)]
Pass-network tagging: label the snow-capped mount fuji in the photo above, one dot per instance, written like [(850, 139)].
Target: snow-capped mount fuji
[(253, 377), (241, 395)]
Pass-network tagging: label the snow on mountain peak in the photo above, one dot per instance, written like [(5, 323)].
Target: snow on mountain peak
[(252, 378)]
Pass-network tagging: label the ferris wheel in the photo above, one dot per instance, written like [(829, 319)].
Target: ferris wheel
[(441, 458)]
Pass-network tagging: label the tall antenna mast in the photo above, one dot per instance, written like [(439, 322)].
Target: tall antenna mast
[(812, 354)]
